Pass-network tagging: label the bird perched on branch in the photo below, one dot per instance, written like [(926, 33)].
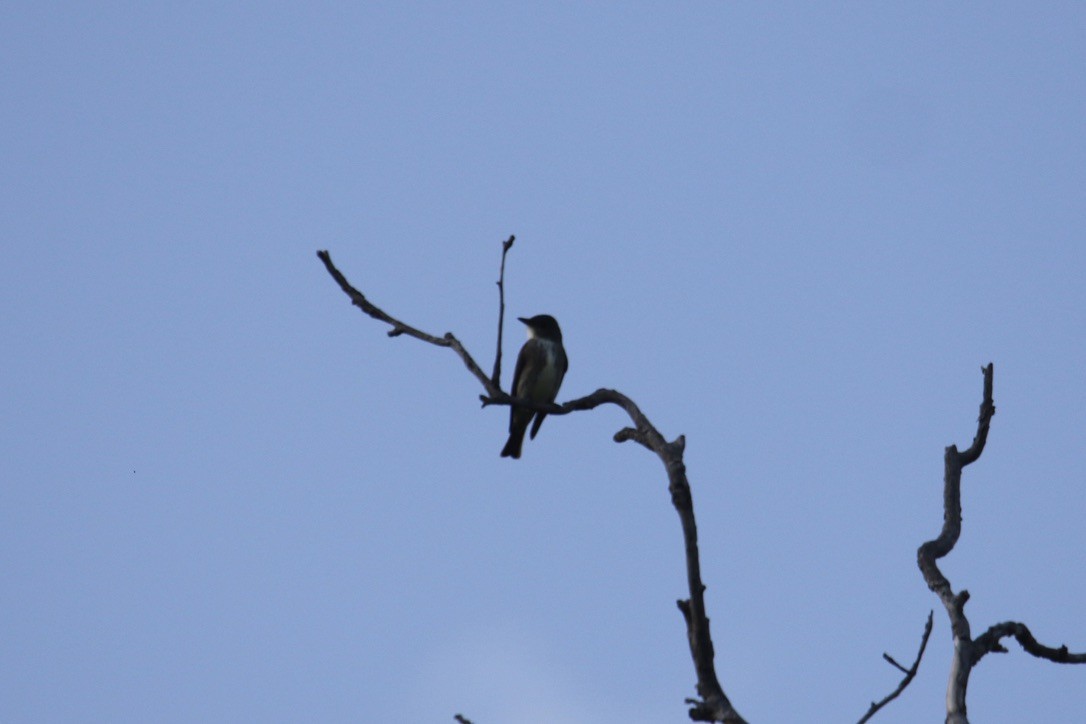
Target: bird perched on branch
[(541, 365)]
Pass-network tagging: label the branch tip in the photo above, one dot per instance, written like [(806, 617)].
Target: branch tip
[(890, 660)]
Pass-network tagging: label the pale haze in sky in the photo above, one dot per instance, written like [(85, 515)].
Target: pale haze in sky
[(791, 232)]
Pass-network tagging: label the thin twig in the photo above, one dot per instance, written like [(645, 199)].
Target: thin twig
[(910, 673), (496, 378)]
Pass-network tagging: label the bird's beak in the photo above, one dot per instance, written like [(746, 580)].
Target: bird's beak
[(523, 319)]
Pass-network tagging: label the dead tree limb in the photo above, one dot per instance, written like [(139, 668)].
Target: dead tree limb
[(712, 704), (968, 651)]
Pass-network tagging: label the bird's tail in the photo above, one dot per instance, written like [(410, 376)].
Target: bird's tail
[(515, 441), (513, 444)]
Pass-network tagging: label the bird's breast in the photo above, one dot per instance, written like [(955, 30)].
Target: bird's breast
[(545, 380)]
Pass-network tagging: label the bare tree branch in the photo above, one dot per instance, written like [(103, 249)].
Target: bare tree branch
[(967, 651), (910, 673), (713, 705), (398, 327)]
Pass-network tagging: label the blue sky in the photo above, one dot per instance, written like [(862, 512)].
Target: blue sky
[(791, 232)]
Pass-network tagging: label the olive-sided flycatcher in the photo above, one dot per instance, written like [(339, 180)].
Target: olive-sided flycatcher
[(541, 365)]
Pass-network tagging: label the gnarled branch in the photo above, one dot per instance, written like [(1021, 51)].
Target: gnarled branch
[(989, 642), (967, 651)]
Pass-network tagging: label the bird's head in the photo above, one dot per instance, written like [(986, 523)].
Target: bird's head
[(543, 326)]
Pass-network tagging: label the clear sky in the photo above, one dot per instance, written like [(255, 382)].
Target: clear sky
[(791, 232)]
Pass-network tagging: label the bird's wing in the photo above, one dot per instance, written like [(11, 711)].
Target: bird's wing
[(522, 361)]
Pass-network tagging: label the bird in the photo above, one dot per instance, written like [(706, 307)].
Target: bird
[(541, 365)]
